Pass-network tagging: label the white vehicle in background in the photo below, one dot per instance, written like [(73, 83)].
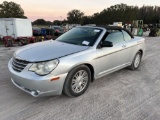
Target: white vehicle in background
[(15, 27), (70, 26), (118, 24)]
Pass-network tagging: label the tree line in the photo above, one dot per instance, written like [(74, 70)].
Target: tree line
[(116, 13)]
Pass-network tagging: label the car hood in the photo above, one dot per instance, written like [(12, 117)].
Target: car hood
[(47, 50)]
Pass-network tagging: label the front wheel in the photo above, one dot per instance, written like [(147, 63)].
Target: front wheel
[(77, 81), (136, 61)]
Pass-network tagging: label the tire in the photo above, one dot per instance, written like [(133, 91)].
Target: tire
[(136, 61), (75, 85)]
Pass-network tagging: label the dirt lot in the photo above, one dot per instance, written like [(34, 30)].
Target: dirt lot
[(123, 95)]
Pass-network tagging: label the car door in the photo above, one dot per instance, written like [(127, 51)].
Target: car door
[(131, 46), (112, 58)]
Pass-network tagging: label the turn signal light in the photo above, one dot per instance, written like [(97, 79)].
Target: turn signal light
[(55, 78)]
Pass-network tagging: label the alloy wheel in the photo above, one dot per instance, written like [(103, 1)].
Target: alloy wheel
[(79, 81)]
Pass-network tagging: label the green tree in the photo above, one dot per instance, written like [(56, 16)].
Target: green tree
[(49, 23), (11, 10), (86, 20), (150, 14), (120, 12), (39, 22), (64, 22), (126, 14), (75, 16), (57, 22)]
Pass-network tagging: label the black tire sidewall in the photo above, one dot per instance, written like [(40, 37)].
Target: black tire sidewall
[(67, 85)]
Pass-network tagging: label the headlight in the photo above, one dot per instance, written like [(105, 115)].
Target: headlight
[(44, 68)]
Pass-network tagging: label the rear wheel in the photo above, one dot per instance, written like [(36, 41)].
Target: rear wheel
[(77, 81), (136, 61)]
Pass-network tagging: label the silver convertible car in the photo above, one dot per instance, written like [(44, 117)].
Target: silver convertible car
[(78, 57)]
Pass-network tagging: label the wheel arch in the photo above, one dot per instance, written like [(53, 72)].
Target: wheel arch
[(91, 68), (65, 88), (141, 51)]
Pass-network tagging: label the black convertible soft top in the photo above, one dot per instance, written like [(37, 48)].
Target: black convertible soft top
[(116, 28)]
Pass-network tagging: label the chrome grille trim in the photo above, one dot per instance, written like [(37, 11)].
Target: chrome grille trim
[(18, 64)]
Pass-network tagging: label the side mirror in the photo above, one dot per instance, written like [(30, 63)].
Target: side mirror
[(107, 44)]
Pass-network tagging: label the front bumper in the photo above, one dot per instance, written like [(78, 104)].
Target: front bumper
[(36, 85)]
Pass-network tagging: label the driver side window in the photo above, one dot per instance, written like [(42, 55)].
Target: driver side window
[(115, 36)]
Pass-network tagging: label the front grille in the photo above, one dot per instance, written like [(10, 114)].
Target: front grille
[(18, 64)]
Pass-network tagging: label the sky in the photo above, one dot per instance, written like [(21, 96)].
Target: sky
[(51, 10)]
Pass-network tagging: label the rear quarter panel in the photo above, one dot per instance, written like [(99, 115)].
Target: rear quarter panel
[(138, 44)]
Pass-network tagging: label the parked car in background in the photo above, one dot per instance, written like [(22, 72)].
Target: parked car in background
[(36, 31), (49, 33), (74, 59), (58, 30), (70, 26)]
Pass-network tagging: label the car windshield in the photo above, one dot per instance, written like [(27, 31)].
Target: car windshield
[(82, 36)]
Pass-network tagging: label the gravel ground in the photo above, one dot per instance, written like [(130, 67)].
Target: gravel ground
[(123, 95)]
